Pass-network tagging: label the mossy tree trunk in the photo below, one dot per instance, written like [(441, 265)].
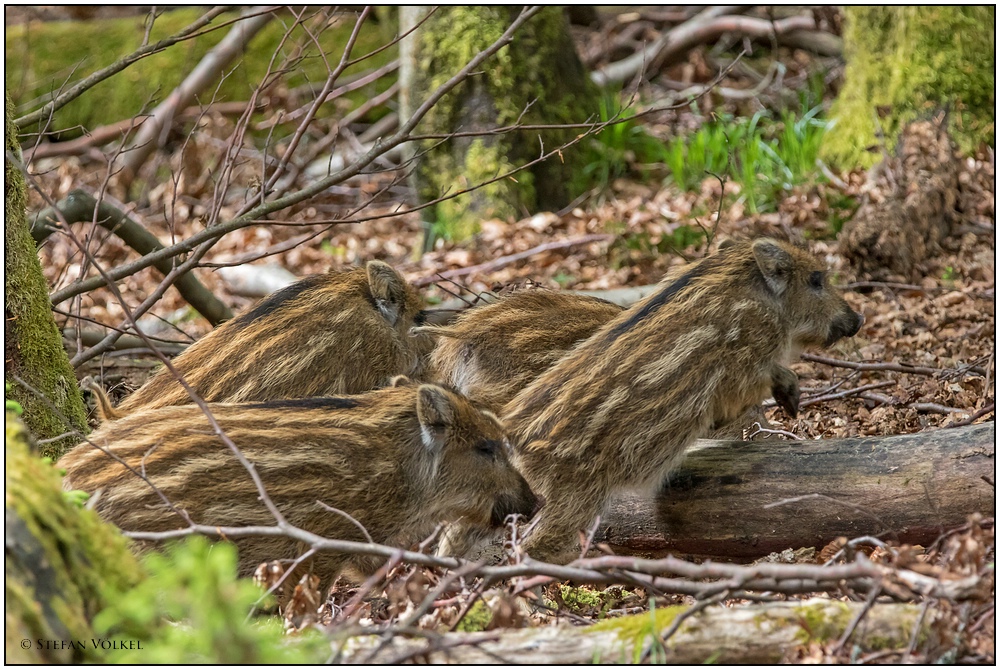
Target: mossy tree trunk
[(33, 349), (62, 563), (905, 62), (537, 79)]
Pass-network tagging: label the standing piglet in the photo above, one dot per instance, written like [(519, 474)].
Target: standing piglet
[(618, 411)]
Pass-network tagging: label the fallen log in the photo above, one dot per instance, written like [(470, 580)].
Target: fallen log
[(763, 633), (748, 499)]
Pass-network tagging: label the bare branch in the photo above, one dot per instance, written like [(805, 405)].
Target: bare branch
[(217, 231), (79, 206), (207, 71)]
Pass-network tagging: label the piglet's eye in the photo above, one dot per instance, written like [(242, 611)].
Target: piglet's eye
[(816, 280), (489, 448)]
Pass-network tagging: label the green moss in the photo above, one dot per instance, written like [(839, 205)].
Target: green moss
[(33, 349), (42, 57), (903, 63), (635, 629), (62, 563), (458, 218), (537, 71), (820, 623), (578, 597), (476, 619)]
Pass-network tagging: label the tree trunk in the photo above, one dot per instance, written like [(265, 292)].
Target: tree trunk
[(33, 349), (537, 79), (62, 564), (902, 61), (908, 488), (764, 633)]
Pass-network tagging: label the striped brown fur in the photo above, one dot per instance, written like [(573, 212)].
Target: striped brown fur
[(619, 409), (399, 460), (342, 332), (493, 351)]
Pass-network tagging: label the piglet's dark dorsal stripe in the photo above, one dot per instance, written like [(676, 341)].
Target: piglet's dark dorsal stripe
[(307, 403), (277, 300)]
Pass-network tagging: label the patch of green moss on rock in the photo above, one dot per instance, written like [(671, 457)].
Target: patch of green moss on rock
[(62, 563), (634, 630), (906, 62), (822, 621), (476, 619)]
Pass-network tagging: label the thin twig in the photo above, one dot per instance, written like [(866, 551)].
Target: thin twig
[(364, 531), (916, 631), (504, 261), (891, 367), (981, 413), (849, 631)]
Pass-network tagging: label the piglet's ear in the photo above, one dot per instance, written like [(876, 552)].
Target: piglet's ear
[(388, 288), (400, 380), (727, 242), (435, 413), (775, 264)]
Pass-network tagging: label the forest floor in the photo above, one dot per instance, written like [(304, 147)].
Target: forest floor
[(928, 343)]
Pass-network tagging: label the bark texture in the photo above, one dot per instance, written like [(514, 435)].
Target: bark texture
[(537, 79), (904, 487), (764, 633)]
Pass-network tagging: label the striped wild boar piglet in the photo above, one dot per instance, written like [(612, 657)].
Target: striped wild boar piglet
[(398, 460), (618, 411), (331, 334)]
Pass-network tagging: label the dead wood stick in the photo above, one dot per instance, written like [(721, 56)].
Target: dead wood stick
[(90, 338), (679, 39), (79, 206), (846, 393), (705, 27), (817, 41), (965, 422), (504, 261), (935, 408), (760, 633), (859, 390), (890, 367)]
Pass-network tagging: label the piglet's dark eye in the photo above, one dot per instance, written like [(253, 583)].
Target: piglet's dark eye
[(816, 280), (489, 448)]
